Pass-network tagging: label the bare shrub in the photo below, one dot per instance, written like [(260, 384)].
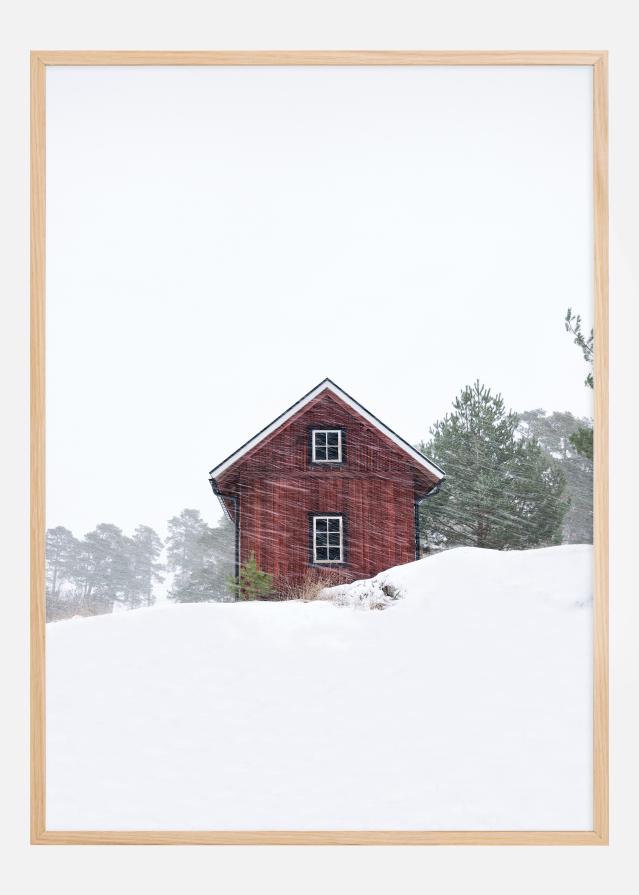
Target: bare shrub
[(312, 585)]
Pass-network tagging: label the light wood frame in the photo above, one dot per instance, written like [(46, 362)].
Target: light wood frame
[(598, 61)]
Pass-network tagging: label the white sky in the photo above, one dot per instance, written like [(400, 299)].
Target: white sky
[(221, 239)]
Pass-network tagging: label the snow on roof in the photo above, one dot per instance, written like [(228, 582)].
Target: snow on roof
[(330, 386)]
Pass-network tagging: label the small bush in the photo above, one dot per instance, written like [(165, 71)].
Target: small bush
[(252, 583)]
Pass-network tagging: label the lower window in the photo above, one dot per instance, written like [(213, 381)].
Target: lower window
[(328, 539)]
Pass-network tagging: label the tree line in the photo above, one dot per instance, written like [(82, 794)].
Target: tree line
[(107, 569), (514, 481)]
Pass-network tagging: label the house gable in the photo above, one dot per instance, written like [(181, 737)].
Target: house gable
[(327, 406)]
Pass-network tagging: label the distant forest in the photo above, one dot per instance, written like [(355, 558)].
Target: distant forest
[(548, 500), (556, 433), (106, 570)]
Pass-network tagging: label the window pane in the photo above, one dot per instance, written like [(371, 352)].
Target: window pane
[(332, 438), (321, 553), (320, 539), (333, 524), (321, 524), (320, 452), (333, 453), (334, 553), (333, 539)]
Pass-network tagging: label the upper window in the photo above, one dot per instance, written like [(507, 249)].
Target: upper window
[(327, 445)]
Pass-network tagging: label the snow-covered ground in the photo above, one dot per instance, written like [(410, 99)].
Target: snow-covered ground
[(467, 704)]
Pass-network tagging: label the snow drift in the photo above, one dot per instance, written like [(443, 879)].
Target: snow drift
[(466, 705)]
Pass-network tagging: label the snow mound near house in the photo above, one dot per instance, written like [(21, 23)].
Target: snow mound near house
[(467, 705), (455, 571)]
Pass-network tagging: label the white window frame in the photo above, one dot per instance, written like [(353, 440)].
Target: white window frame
[(327, 432), (328, 544)]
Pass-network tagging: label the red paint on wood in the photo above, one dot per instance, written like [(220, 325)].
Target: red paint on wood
[(278, 487)]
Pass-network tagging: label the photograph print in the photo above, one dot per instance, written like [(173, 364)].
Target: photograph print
[(320, 351)]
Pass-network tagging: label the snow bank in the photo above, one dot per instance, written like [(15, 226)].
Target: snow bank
[(537, 573), (467, 705)]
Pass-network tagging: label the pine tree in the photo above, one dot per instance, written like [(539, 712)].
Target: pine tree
[(62, 552), (582, 439), (252, 583), (61, 558), (104, 569), (555, 433), (145, 550), (572, 322), (502, 491)]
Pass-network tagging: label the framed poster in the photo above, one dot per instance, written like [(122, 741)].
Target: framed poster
[(321, 556)]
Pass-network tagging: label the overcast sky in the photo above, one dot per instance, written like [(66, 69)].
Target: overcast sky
[(221, 239)]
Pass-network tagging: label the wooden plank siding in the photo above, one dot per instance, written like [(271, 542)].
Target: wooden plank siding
[(279, 487)]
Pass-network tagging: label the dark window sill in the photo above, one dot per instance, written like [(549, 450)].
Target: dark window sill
[(327, 565)]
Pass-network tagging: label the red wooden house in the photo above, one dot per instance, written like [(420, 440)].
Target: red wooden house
[(326, 485)]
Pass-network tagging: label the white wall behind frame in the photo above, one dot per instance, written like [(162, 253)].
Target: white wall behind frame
[(494, 24)]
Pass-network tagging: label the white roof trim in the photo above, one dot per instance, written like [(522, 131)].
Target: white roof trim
[(330, 386)]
